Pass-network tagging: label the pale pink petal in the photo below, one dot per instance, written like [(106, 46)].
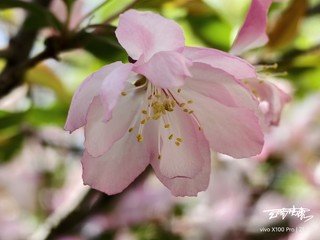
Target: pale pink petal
[(117, 168), (112, 87), (220, 86), (267, 92), (185, 186), (101, 135), (181, 156), (230, 130), (233, 65), (144, 34), (253, 31), (166, 69), (84, 95)]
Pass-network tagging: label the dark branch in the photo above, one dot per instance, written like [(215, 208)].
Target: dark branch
[(17, 53)]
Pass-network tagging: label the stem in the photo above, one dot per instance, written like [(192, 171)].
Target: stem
[(18, 52)]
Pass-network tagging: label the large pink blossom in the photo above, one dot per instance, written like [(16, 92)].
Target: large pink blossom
[(168, 107)]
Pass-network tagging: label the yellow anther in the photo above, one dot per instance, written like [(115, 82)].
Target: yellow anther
[(179, 90), (170, 137), (186, 110), (159, 157), (254, 92), (143, 121), (167, 125), (261, 81), (182, 104), (177, 143), (191, 111), (144, 111), (123, 93), (139, 138), (190, 101), (179, 139), (130, 130)]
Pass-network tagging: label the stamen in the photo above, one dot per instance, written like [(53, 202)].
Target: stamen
[(130, 130), (177, 143), (139, 138), (190, 101), (167, 125), (266, 67), (144, 111), (179, 139), (170, 137), (123, 93)]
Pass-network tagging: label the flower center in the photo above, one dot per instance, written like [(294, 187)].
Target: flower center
[(159, 104)]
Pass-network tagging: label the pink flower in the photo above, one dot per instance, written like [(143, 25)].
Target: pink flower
[(251, 35), (167, 108)]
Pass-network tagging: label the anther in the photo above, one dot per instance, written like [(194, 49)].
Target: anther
[(143, 121), (177, 143), (123, 93), (182, 104), (179, 139), (167, 125), (159, 157), (130, 130), (179, 90), (190, 101), (144, 111), (170, 137), (186, 110), (139, 138)]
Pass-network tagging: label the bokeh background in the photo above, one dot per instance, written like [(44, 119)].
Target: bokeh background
[(41, 190)]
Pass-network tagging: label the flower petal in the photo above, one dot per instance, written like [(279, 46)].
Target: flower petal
[(101, 135), (144, 34), (166, 69), (233, 65), (185, 186), (116, 169), (181, 156), (83, 97), (253, 31), (269, 93), (112, 86), (220, 86), (230, 130)]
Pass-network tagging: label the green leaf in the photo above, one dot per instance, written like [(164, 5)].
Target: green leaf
[(212, 30), (103, 45), (55, 115), (40, 17), (44, 76), (10, 134), (10, 146), (10, 119), (113, 8)]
